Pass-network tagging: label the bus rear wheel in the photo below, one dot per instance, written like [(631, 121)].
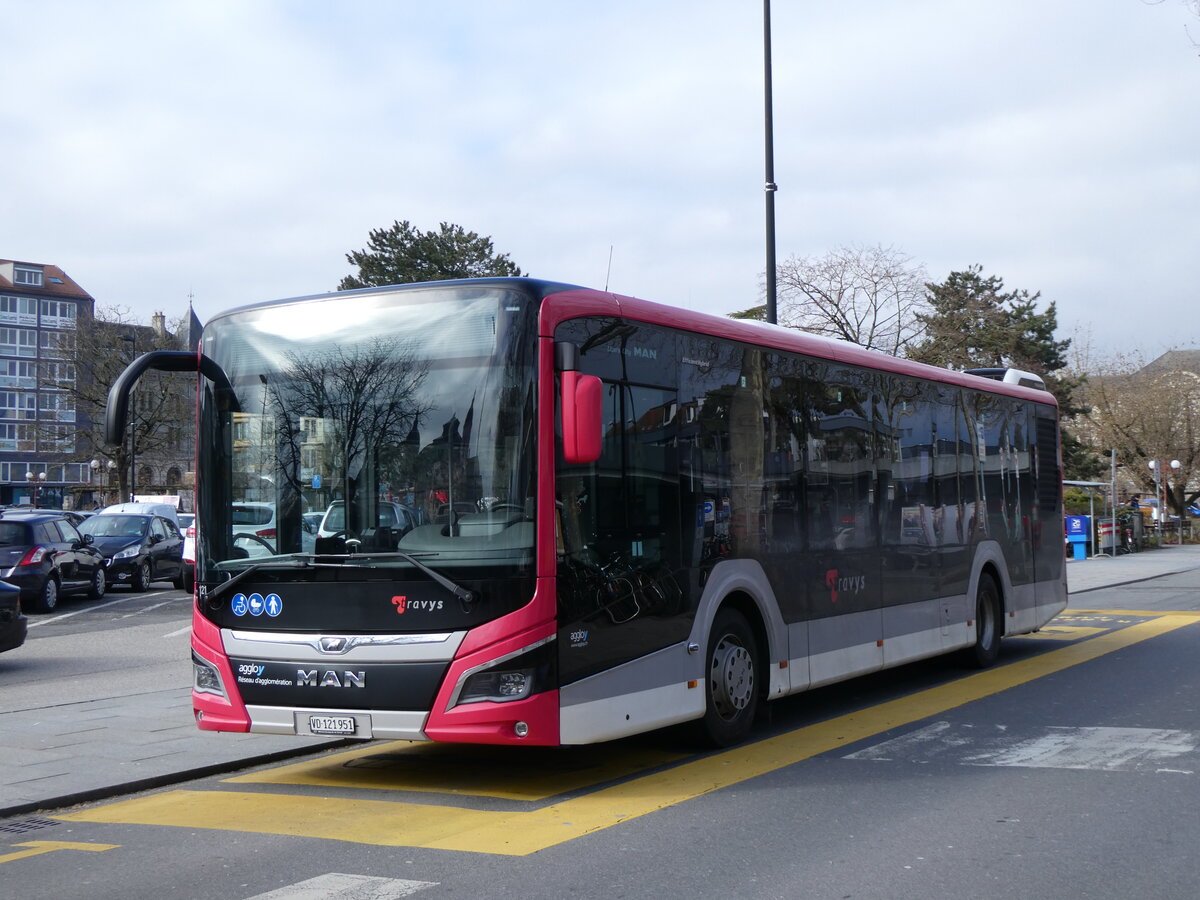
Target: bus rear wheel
[(731, 681), (986, 648)]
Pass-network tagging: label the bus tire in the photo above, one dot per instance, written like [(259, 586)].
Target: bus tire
[(731, 681), (986, 648)]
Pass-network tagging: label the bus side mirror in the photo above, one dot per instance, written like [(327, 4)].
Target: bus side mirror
[(581, 400)]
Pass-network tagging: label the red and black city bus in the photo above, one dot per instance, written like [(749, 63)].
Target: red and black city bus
[(514, 511)]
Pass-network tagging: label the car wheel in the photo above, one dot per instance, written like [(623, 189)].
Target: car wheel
[(189, 578), (141, 578), (48, 599), (99, 585)]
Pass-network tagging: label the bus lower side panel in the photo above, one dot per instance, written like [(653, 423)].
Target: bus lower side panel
[(667, 687)]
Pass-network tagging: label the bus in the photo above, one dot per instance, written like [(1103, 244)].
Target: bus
[(513, 511)]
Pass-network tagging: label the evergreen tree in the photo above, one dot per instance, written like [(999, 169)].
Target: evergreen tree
[(974, 323), (402, 254)]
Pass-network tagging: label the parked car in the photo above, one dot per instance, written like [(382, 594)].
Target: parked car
[(137, 549), (166, 510), (46, 557), (13, 624), (71, 515), (257, 520), (393, 521)]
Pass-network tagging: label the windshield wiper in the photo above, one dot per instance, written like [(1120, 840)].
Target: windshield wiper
[(465, 596), (224, 586)]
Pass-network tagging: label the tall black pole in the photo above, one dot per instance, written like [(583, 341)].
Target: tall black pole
[(132, 338), (770, 186)]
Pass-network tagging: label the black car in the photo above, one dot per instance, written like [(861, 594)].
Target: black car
[(12, 624), (44, 555), (137, 549)]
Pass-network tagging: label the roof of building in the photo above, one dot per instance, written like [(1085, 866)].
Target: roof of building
[(55, 282), (1175, 361)]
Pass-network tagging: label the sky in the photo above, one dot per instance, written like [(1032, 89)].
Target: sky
[(232, 151)]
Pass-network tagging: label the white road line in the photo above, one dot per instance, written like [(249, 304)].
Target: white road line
[(148, 608), (184, 630), (92, 608), (336, 886)]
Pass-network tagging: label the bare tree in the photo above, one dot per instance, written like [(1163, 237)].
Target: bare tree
[(88, 362), (870, 296), (1147, 412)]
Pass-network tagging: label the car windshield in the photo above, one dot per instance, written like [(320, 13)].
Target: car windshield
[(115, 526), (385, 411)]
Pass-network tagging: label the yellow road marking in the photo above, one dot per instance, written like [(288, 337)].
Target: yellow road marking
[(529, 773), (36, 848), (521, 833), (1064, 633)]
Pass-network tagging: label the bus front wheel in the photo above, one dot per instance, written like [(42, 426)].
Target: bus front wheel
[(730, 680), (986, 648)]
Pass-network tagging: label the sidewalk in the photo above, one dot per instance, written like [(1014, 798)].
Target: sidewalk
[(77, 752)]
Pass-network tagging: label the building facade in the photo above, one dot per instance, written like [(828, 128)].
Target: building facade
[(40, 462), (51, 454)]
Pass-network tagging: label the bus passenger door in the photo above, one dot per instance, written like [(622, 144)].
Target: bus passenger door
[(843, 572)]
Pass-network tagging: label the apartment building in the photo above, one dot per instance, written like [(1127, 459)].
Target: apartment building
[(40, 306)]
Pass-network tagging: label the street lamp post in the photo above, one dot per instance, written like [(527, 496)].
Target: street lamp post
[(132, 339), (37, 481), (1161, 486), (98, 468)]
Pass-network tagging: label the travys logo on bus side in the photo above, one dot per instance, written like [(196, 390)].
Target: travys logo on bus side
[(839, 584)]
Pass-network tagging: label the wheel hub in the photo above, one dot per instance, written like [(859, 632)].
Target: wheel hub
[(732, 678)]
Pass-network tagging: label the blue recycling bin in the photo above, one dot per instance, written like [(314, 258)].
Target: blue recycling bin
[(1079, 532)]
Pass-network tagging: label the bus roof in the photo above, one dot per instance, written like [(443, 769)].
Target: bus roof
[(569, 301)]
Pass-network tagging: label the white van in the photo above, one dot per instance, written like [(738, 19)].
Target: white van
[(166, 510)]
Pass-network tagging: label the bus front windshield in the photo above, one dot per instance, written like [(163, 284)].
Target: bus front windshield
[(378, 423)]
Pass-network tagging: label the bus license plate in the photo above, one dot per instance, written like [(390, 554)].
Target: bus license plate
[(331, 724)]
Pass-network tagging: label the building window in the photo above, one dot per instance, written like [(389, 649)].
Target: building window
[(27, 275), (58, 343), (16, 437), (57, 438), (18, 373), (18, 310), (17, 405), (18, 342), (53, 373), (58, 313), (60, 407)]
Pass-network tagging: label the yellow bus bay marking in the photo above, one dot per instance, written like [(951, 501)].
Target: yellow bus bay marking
[(530, 773), (400, 824), (37, 848)]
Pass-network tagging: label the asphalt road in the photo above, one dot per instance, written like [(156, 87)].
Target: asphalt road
[(1067, 771), (117, 645)]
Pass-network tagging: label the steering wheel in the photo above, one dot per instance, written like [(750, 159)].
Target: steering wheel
[(255, 537), (511, 507)]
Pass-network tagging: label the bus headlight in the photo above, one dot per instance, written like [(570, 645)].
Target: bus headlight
[(511, 678), (497, 686), (205, 677)]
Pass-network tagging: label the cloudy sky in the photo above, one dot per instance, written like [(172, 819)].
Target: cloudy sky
[(236, 150)]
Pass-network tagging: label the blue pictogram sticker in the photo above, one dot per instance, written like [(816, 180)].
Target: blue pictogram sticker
[(274, 605), (238, 607), (256, 604)]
